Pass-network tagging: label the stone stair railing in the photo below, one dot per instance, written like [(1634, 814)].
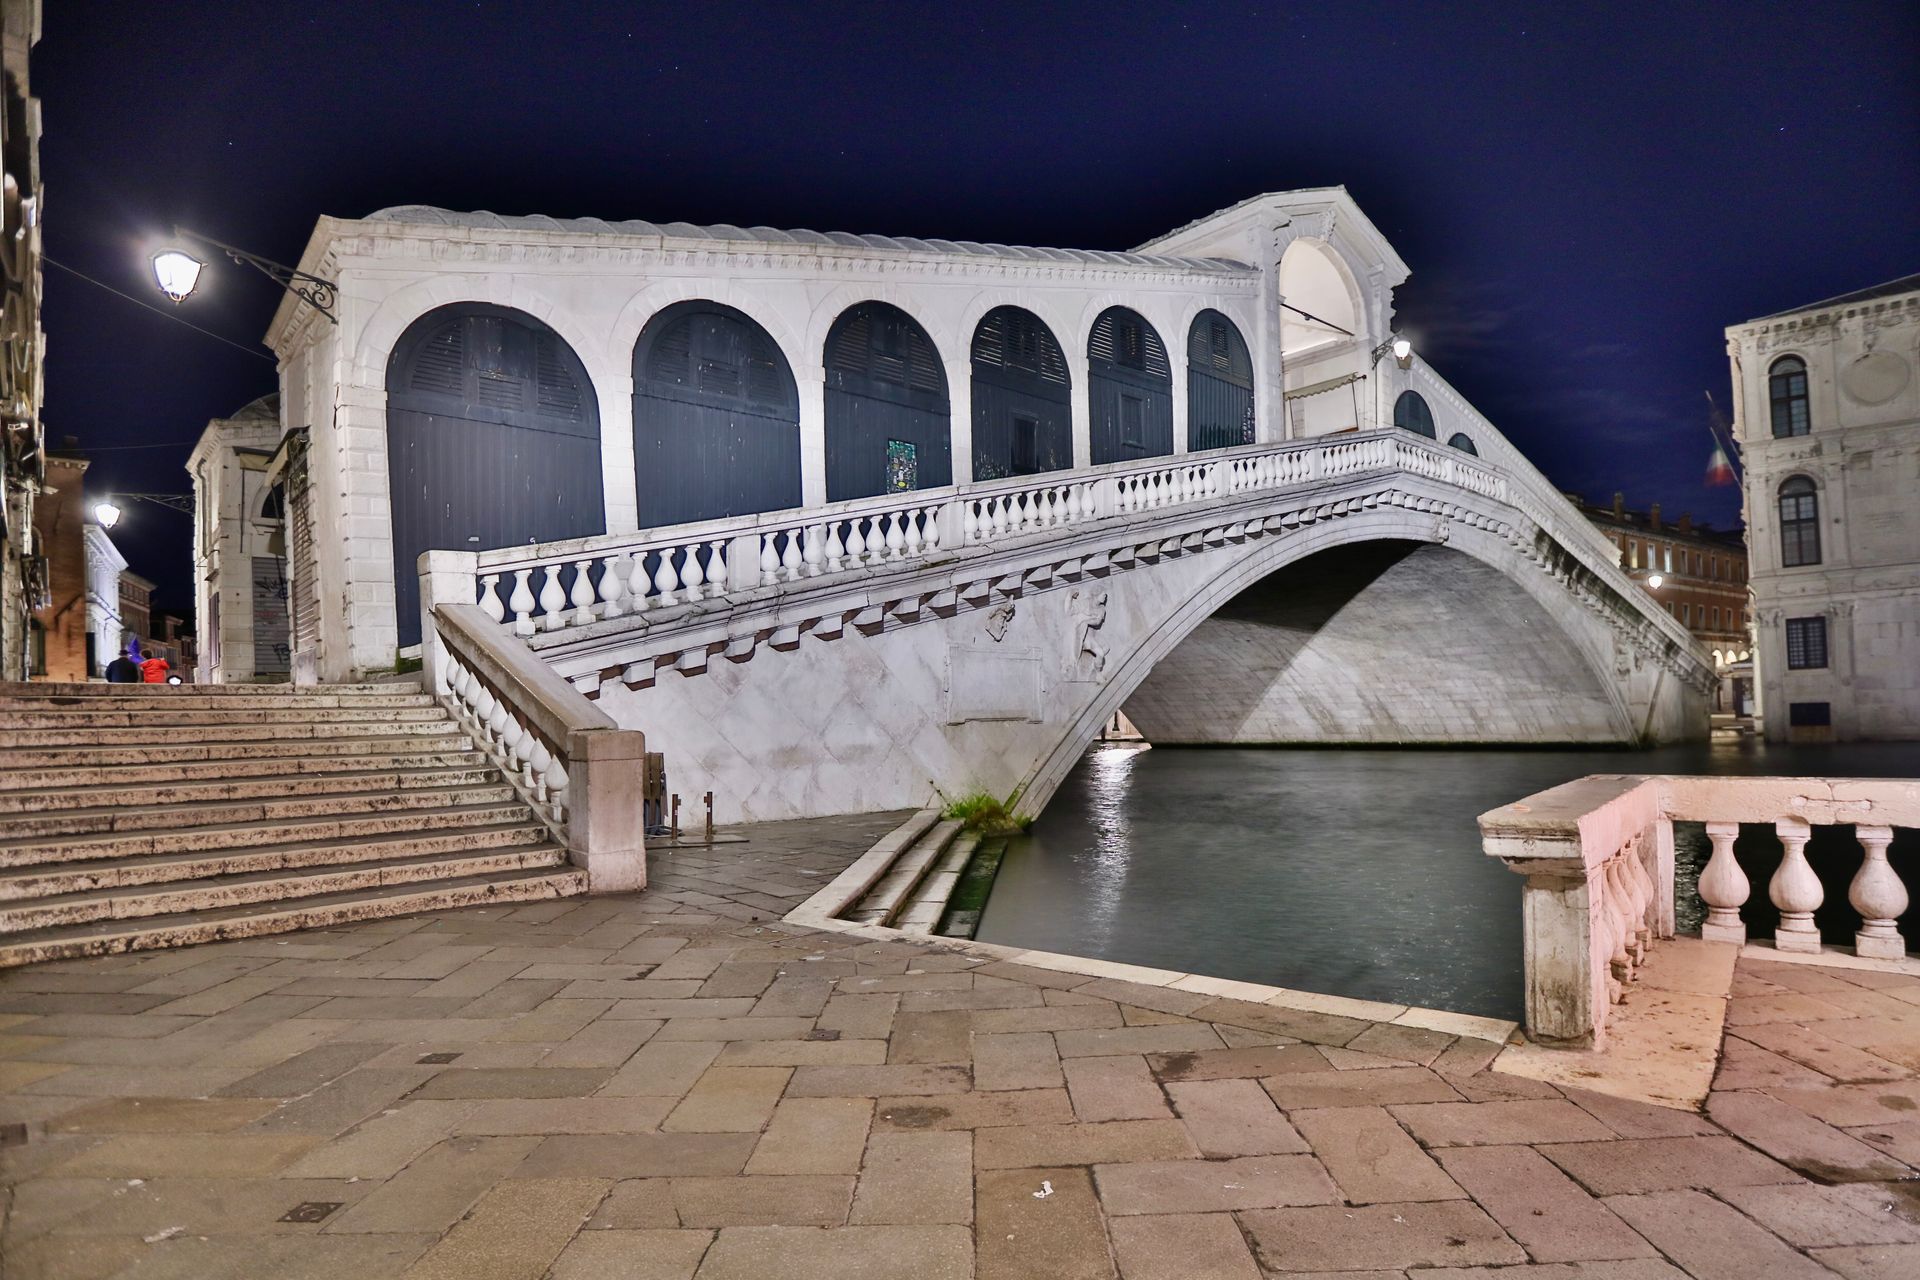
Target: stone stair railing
[(560, 585), (580, 771), (1598, 856)]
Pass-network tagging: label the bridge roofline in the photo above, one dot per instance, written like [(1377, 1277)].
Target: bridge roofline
[(1350, 220)]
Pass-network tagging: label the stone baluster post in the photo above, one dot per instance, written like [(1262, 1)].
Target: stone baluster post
[(1723, 887), (1795, 890), (1879, 896)]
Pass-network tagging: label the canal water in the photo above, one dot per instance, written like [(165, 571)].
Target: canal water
[(1355, 872)]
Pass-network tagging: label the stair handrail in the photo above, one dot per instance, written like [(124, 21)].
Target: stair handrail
[(582, 772)]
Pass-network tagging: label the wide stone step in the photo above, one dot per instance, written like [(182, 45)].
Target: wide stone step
[(182, 929), (84, 877), (83, 720), (150, 817), (248, 731), (249, 835), (147, 754), (83, 703), (891, 892), (924, 906), (358, 780), (238, 889), (101, 689), (248, 770)]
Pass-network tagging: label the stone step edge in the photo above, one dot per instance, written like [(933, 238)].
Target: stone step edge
[(912, 865), (62, 756), (87, 848), (276, 689), (356, 782), (220, 811), (28, 915), (413, 900), (465, 758), (936, 886), (822, 911)]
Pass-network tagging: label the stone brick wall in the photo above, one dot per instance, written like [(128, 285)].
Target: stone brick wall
[(59, 524)]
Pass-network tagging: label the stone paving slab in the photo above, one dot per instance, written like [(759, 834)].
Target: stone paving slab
[(677, 1085)]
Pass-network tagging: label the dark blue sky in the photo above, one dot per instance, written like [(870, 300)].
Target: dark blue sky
[(1587, 196)]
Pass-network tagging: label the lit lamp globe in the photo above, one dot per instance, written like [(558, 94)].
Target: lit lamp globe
[(1654, 580), (1402, 350), (106, 514), (176, 272)]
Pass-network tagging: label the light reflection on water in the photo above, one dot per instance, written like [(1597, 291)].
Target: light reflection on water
[(1353, 872)]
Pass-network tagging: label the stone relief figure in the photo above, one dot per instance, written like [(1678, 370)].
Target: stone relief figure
[(1089, 613), (997, 622)]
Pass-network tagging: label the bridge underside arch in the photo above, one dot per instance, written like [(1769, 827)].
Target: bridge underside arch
[(1383, 641)]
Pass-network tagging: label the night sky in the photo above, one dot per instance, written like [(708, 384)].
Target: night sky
[(1586, 199)]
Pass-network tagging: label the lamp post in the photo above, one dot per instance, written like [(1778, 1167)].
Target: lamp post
[(1402, 352), (177, 272), (107, 512)]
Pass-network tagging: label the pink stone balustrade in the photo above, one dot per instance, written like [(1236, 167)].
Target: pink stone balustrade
[(1598, 856), (582, 581)]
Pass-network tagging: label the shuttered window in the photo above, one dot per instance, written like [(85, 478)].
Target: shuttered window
[(1124, 338), (1806, 643), (1410, 413)]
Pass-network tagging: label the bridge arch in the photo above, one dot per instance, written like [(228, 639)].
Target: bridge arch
[(1426, 567), (1022, 396), (1219, 384), (1131, 385)]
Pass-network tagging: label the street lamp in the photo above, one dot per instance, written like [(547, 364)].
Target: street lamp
[(177, 271), (1402, 352), (106, 514)]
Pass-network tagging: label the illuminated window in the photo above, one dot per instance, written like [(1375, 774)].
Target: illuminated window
[(1806, 643)]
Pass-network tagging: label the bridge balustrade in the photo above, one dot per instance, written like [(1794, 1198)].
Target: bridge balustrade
[(560, 585), (1598, 855)]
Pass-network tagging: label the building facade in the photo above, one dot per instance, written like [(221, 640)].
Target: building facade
[(61, 641), (239, 549), (23, 470), (105, 564), (1827, 412), (489, 381), (1699, 576)]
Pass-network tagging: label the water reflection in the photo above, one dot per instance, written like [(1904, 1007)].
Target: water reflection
[(1356, 872)]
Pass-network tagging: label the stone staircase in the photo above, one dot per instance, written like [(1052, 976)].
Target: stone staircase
[(136, 816)]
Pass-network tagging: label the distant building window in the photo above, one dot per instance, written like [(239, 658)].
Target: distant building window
[(1716, 617), (1787, 393), (1799, 522), (1410, 413), (1686, 614), (1806, 643), (1803, 715)]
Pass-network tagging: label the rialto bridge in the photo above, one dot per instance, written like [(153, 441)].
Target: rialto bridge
[(837, 520)]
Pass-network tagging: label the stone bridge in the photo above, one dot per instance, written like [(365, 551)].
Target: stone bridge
[(1359, 588)]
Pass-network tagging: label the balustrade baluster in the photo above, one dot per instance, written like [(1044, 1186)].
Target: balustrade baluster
[(557, 788), (539, 760), (836, 547), (521, 602), (1879, 896), (1614, 906), (1070, 505), (912, 532), (611, 587), (639, 583), (769, 561), (691, 575), (930, 529), (895, 542), (490, 598), (811, 550), (665, 579), (1723, 887), (717, 569), (582, 595), (856, 543), (790, 557), (1796, 890), (969, 522), (552, 599)]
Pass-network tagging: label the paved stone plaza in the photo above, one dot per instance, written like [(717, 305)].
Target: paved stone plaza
[(675, 1085)]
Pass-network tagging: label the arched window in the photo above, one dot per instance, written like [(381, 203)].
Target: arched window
[(1463, 442), (1022, 397), (1787, 393), (1219, 384), (716, 417), (493, 440), (1410, 413), (1799, 522), (887, 412), (273, 506), (1130, 388)]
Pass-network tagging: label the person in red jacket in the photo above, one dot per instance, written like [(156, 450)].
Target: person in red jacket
[(153, 671)]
